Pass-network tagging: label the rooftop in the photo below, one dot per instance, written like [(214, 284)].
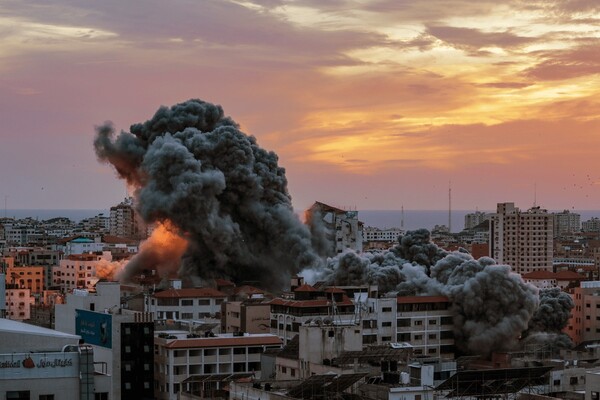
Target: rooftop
[(191, 292), (224, 341), (10, 326)]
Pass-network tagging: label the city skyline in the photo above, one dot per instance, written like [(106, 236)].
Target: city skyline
[(373, 105)]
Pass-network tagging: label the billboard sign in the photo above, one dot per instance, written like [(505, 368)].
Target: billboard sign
[(94, 328)]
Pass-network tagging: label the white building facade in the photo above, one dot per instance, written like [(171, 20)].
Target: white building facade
[(180, 358), (523, 240)]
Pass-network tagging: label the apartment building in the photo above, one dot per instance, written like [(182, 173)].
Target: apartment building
[(78, 271), (591, 225), (201, 366), (474, 219), (523, 240), (375, 238), (190, 303), (124, 221), (307, 304), (426, 322), (584, 324), (18, 303), (566, 223), (31, 278), (122, 340), (342, 228)]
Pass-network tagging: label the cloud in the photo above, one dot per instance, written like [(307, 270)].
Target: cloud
[(567, 64), (475, 39)]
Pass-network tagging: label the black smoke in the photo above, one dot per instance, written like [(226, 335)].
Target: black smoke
[(549, 320), (492, 306), (193, 166)]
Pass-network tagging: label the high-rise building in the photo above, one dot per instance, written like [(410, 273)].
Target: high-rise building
[(566, 222), (522, 240), (122, 340), (124, 221), (591, 225), (474, 219), (339, 228)]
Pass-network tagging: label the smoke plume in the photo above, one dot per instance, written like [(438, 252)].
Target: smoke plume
[(549, 320), (492, 305), (191, 165)]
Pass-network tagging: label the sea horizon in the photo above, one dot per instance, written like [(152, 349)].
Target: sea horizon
[(383, 219)]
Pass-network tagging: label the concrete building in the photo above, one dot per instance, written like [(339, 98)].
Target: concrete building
[(122, 340), (83, 245), (540, 279), (40, 363), (251, 316), (427, 323), (566, 223), (340, 228), (187, 363), (592, 384), (36, 256), (191, 303), (80, 271), (18, 303), (474, 219), (591, 225), (308, 303), (124, 221), (375, 238), (31, 278), (584, 324), (523, 240)]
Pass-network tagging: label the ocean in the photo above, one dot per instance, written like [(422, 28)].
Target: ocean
[(413, 219), (40, 214)]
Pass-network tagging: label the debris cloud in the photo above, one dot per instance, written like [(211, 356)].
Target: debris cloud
[(193, 166)]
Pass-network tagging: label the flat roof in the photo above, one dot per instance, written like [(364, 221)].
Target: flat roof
[(10, 326), (191, 292), (219, 341)]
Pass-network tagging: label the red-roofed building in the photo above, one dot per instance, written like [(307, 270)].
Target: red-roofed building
[(309, 303), (548, 279), (540, 279), (184, 362), (565, 279), (192, 303), (225, 286)]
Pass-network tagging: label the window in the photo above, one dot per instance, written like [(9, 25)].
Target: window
[(17, 395), (386, 324), (386, 309), (101, 396), (46, 397), (573, 380), (203, 302), (187, 302)]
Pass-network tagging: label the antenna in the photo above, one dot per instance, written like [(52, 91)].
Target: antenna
[(402, 217), (535, 194), (450, 206)]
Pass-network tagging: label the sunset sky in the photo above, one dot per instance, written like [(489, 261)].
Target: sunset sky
[(369, 104)]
